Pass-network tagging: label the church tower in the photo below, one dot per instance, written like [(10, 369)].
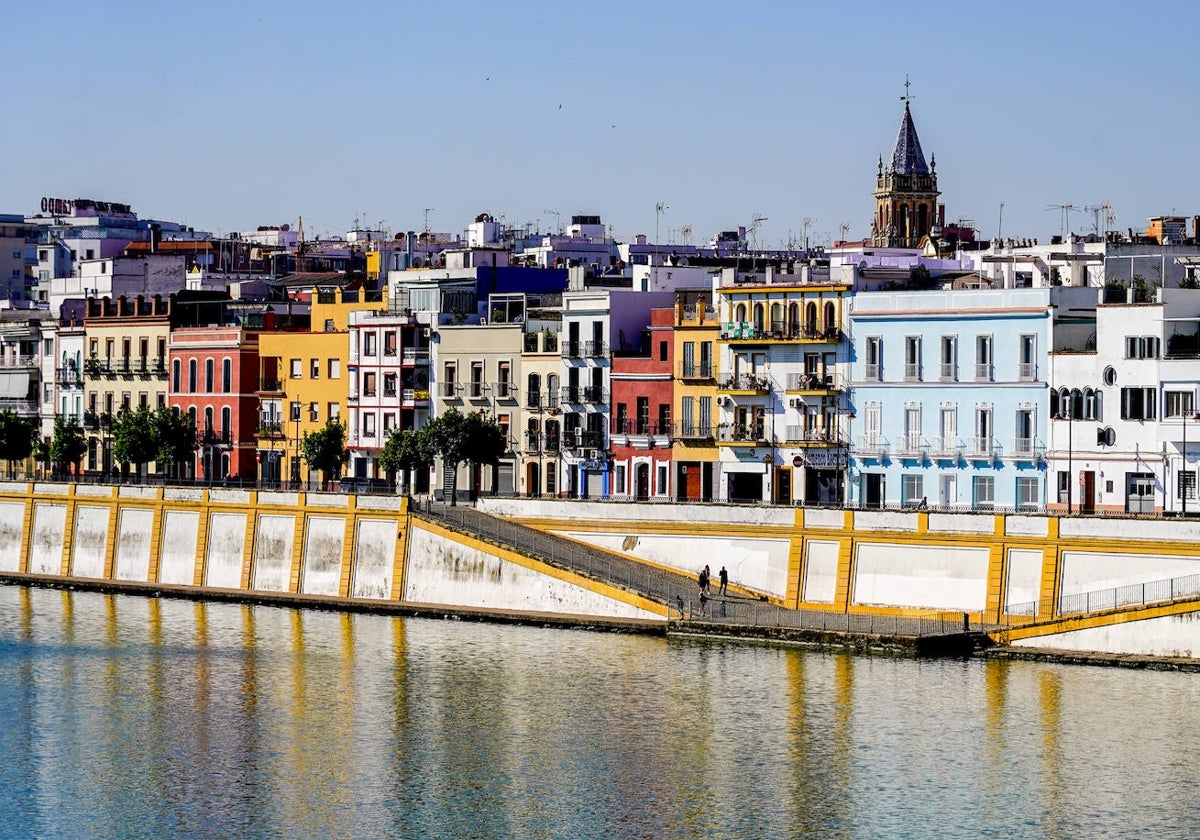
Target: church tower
[(906, 193)]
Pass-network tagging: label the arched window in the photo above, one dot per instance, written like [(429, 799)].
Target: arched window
[(1089, 404), (776, 317), (793, 319), (758, 317), (227, 424), (1076, 404), (810, 317), (176, 375), (1054, 405), (739, 313), (552, 441), (208, 420), (226, 375), (209, 369), (552, 388), (533, 390), (192, 368), (830, 316)]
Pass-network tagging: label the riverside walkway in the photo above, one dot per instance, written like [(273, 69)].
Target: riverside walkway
[(739, 613)]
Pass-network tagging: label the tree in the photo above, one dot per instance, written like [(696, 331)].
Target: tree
[(409, 450), (133, 437), (473, 438), (325, 449), (68, 445), (174, 435), (16, 437)]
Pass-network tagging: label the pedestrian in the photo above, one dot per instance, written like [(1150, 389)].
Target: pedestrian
[(707, 578), (703, 601), (702, 579), (723, 576), (923, 504)]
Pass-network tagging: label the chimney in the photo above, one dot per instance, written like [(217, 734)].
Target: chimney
[(942, 215), (155, 237)]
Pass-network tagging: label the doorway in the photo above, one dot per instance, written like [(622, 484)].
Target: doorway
[(1087, 492), (873, 490), (533, 480), (947, 490), (641, 482)]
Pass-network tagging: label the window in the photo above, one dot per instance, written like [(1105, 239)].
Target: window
[(449, 384), (983, 358), (333, 410), (983, 430), (1110, 375), (389, 384), (389, 343), (706, 358), (369, 384), (476, 380), (369, 342), (1024, 441), (689, 359), (297, 371), (227, 422), (1027, 493), (705, 420), (949, 428), (368, 426), (664, 418), (389, 422), (661, 487), (983, 490), (504, 381), (1179, 404), (314, 368), (192, 368), (687, 417), (912, 358), (949, 371), (1141, 347), (335, 368), (209, 375), (1186, 484), (911, 489), (643, 415), (662, 351), (1027, 348), (912, 427), (176, 375), (1137, 404), (226, 375), (504, 421), (48, 347), (314, 411), (874, 358)]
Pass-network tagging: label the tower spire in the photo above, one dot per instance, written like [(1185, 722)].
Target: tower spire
[(906, 191)]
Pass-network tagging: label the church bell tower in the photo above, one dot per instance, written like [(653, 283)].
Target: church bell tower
[(906, 193)]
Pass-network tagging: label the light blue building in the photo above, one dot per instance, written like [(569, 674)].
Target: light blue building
[(950, 396)]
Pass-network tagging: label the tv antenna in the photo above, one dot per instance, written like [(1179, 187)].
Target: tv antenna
[(1102, 214), (428, 210), (755, 223), (844, 230), (808, 222), (685, 233), (557, 220), (1066, 209)]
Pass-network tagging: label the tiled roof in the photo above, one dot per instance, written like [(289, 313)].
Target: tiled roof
[(907, 157)]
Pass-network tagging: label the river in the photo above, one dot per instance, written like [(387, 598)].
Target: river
[(139, 717)]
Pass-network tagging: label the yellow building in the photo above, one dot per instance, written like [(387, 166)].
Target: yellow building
[(695, 352), (125, 365), (305, 380)]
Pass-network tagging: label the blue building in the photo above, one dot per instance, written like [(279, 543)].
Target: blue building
[(950, 397)]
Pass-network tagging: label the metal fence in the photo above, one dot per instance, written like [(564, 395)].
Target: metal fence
[(680, 592), (1130, 595)]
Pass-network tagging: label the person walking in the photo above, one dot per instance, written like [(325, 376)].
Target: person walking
[(707, 578), (723, 577), (703, 601), (702, 579)]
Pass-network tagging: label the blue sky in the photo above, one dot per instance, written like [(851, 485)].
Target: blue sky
[(229, 115)]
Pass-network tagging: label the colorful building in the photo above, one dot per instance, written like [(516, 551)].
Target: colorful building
[(642, 405)]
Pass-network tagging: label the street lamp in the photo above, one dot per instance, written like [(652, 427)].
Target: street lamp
[(1070, 427)]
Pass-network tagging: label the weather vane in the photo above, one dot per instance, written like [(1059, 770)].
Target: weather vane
[(906, 97)]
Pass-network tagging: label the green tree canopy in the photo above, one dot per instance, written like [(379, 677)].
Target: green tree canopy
[(474, 438), (133, 436), (174, 436), (325, 449), (409, 450), (17, 435), (68, 445)]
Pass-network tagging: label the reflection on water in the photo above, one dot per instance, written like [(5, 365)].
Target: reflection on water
[(129, 716)]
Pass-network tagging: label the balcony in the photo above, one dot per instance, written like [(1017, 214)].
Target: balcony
[(389, 390), (411, 396), (981, 447), (945, 447), (68, 376), (551, 443), (594, 395), (814, 383), (211, 437), (270, 386), (703, 371), (1027, 449), (691, 433), (873, 373), (746, 383), (949, 372), (18, 361), (779, 331), (812, 435), (415, 356), (505, 391), (585, 350), (580, 439), (450, 391), (742, 435), (270, 428), (872, 446), (1027, 371), (533, 442), (576, 395), (911, 446), (983, 372), (912, 372)]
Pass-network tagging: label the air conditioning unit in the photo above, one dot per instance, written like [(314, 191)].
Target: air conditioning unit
[(795, 402), (424, 332), (722, 400), (593, 454)]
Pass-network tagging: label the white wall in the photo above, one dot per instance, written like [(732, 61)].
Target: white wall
[(1088, 571), (177, 558), (441, 571), (374, 558), (1172, 635), (323, 555), (273, 553), (12, 534), (133, 544), (820, 571), (1024, 582), (921, 576), (49, 529), (226, 540)]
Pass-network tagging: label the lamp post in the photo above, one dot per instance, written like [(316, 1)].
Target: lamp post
[(1070, 465)]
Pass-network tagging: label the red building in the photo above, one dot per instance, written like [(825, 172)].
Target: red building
[(214, 377), (642, 393)]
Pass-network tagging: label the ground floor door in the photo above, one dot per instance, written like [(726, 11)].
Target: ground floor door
[(1139, 492), (745, 487), (1087, 492), (947, 490), (873, 490), (783, 486), (533, 480), (641, 482)]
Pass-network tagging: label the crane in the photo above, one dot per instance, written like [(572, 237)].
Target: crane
[(1066, 209)]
